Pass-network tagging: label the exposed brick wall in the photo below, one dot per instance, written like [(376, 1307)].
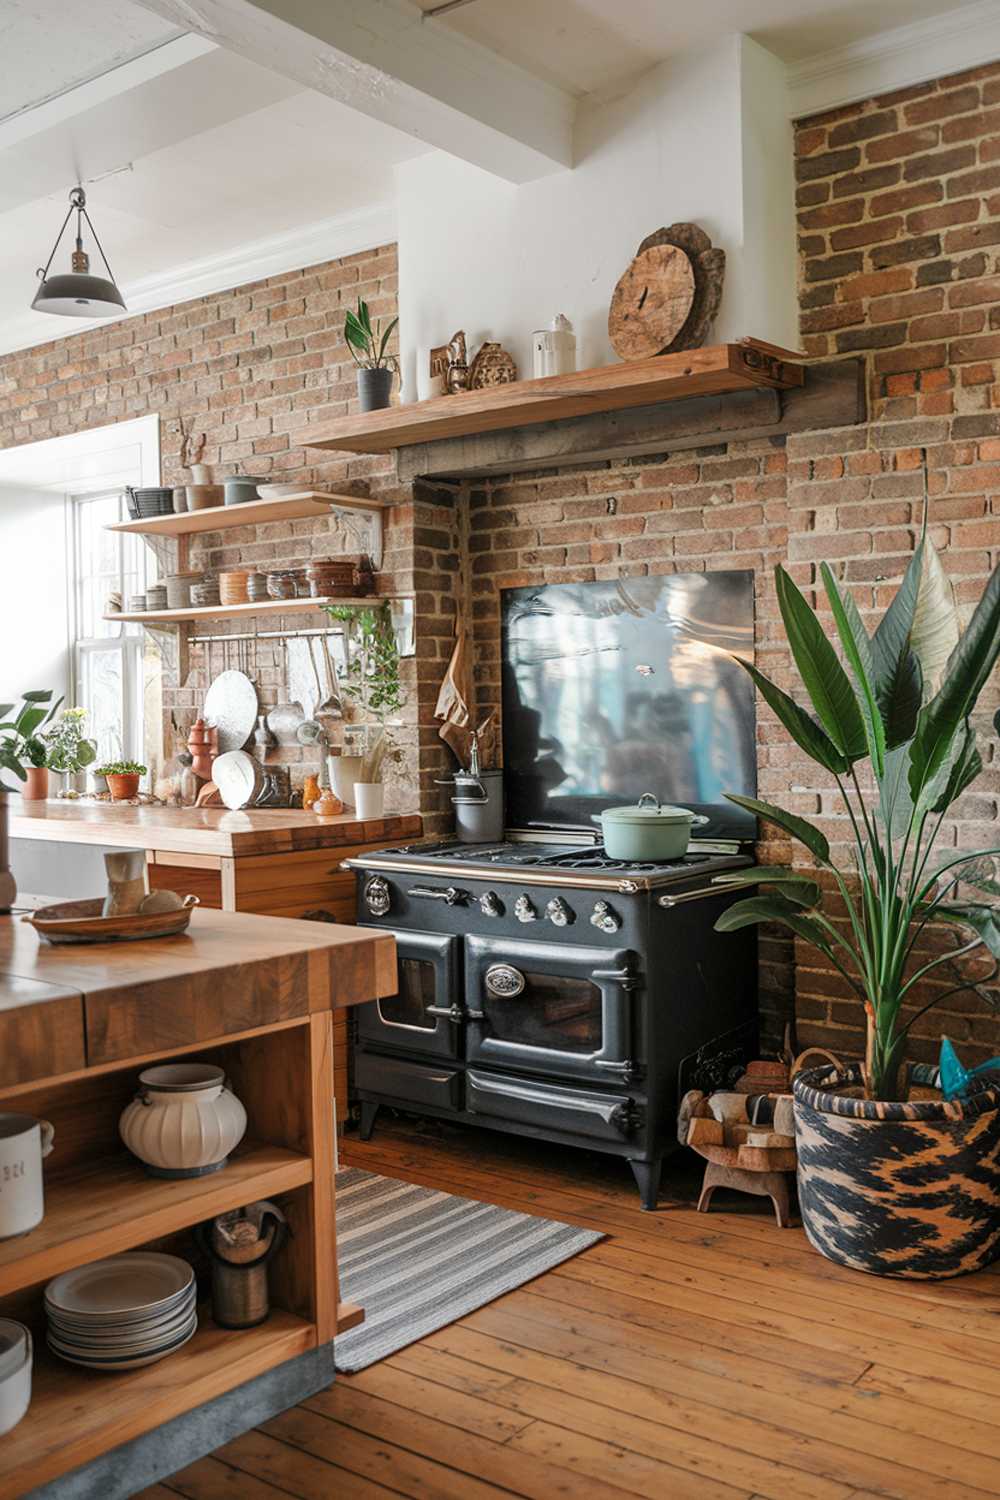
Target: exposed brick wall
[(254, 368)]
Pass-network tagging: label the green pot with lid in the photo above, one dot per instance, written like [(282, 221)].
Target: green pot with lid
[(648, 831)]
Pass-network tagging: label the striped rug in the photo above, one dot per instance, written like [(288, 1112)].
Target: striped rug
[(416, 1259)]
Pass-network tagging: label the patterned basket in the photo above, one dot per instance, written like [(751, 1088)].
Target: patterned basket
[(909, 1189)]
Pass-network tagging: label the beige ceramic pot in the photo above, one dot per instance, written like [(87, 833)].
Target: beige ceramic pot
[(184, 1121)]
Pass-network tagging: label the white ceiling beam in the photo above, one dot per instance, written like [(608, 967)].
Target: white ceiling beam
[(381, 58), (60, 108)]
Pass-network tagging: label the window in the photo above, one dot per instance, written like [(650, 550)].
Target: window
[(108, 669)]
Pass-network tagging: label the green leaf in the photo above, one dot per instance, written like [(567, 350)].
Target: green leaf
[(971, 663), (981, 873), (86, 753), (984, 920), (386, 337), (794, 886), (55, 708), (29, 719), (806, 733), (38, 695), (811, 837), (772, 909), (858, 651), (898, 680), (936, 624), (826, 682), (958, 772), (364, 318), (895, 802)]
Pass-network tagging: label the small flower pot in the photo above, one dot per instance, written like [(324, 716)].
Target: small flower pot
[(36, 787), (374, 389), (123, 788), (909, 1189)]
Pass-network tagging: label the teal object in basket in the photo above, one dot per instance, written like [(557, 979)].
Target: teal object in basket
[(647, 832)]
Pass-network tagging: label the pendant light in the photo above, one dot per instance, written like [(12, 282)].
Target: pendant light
[(77, 294)]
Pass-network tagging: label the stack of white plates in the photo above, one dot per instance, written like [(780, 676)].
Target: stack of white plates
[(120, 1313)]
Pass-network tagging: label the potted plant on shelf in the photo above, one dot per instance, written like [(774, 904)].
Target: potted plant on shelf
[(26, 745), (67, 748), (122, 778), (15, 735), (893, 1177), (372, 683), (368, 348)]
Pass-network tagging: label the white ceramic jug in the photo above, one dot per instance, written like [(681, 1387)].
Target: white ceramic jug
[(23, 1142), (184, 1121)]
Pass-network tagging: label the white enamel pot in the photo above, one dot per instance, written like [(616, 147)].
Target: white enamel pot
[(648, 832), (23, 1142), (184, 1121), (16, 1356)]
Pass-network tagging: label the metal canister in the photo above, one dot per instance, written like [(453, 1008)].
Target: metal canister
[(240, 1245)]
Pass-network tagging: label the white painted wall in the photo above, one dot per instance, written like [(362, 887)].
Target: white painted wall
[(695, 139)]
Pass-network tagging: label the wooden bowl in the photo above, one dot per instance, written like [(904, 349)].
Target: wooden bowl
[(81, 922)]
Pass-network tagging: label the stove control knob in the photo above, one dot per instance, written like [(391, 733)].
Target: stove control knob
[(490, 904), (524, 911), (377, 896), (604, 918), (558, 912)]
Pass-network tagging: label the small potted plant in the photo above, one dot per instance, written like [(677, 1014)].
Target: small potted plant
[(122, 778), (26, 745), (372, 683), (67, 748), (894, 1177), (368, 348)]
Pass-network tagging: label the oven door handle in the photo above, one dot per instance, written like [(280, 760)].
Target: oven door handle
[(452, 894)]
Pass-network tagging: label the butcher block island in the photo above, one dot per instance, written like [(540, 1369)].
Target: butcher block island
[(256, 997), (278, 862)]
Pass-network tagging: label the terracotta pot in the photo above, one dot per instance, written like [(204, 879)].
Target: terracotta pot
[(906, 1189), (123, 788), (36, 788)]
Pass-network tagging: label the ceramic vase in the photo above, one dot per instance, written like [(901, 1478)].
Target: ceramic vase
[(36, 787), (184, 1121)]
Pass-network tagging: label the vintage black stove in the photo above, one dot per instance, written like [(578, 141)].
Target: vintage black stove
[(545, 989)]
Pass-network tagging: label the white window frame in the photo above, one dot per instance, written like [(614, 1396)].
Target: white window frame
[(86, 466)]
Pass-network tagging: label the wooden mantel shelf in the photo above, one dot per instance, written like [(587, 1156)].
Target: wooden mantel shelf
[(748, 365)]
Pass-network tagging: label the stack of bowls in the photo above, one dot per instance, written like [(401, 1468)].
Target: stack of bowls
[(153, 501), (233, 587), (120, 1313), (156, 596), (205, 595), (281, 584), (331, 578), (179, 589), (15, 1373), (257, 587), (136, 604)]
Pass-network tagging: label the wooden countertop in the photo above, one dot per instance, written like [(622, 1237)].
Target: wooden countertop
[(69, 1007), (202, 830)]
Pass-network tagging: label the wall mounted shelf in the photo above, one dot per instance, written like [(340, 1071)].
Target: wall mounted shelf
[(295, 507), (268, 608), (718, 369)]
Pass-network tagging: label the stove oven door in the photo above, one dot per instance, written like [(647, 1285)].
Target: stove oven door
[(423, 1015), (551, 1008)]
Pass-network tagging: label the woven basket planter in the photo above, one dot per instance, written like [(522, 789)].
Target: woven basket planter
[(898, 1189)]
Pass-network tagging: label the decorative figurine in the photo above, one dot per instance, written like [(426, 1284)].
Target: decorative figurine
[(458, 368), (491, 366)]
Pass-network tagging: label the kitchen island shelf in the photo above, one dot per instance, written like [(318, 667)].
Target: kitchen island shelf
[(76, 1415), (301, 506), (717, 370), (113, 1205)]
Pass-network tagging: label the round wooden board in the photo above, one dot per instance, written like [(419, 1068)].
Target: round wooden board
[(651, 302)]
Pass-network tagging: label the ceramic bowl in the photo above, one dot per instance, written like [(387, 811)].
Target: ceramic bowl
[(203, 496), (16, 1358)]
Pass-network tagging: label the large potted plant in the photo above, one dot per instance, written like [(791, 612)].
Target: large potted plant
[(893, 1178), (17, 739), (369, 350)]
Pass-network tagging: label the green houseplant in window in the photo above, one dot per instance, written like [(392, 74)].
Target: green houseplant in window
[(888, 1181)]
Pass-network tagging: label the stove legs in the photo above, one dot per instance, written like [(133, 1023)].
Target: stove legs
[(647, 1178), (369, 1112)]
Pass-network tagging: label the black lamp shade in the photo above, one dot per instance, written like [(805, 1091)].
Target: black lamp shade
[(77, 294)]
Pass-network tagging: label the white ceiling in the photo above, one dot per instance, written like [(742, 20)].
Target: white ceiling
[(588, 46), (199, 163)]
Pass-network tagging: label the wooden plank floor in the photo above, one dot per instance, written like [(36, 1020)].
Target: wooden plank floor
[(687, 1355)]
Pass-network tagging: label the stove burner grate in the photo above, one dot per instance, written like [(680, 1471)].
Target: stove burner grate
[(547, 856)]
